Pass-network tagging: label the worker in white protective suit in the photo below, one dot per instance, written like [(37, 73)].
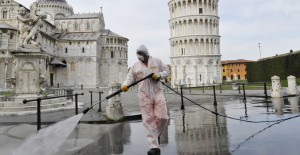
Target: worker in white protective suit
[(150, 94)]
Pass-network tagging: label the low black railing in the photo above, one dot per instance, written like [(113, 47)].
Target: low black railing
[(38, 100), (220, 88), (99, 92)]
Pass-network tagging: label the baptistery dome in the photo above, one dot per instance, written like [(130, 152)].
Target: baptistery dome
[(62, 1)]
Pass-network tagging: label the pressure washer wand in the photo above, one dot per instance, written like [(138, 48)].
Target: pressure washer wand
[(117, 92)]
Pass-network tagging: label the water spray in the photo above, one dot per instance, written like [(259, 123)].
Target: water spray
[(116, 93)]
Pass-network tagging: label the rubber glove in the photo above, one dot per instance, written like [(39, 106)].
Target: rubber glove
[(124, 88), (155, 76)]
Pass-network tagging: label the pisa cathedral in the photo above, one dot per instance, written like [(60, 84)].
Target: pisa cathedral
[(195, 42), (78, 49)]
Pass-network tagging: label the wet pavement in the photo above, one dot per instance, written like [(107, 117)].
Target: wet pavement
[(190, 131)]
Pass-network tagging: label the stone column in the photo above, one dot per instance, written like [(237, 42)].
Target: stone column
[(292, 86), (276, 87), (183, 75), (175, 75), (205, 74), (114, 109)]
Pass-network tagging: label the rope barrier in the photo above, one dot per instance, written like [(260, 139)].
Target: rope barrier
[(218, 114)]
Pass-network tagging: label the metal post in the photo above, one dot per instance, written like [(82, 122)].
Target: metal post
[(220, 87), (100, 92), (76, 104), (182, 105), (239, 88), (215, 100), (246, 115), (203, 89), (91, 99), (265, 88), (244, 92), (39, 113)]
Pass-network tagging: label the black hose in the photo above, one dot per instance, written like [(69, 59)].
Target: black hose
[(117, 92)]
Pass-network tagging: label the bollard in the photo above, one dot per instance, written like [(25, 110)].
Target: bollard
[(239, 89), (276, 87), (292, 85), (182, 105), (215, 100), (100, 92), (114, 108), (81, 86), (220, 87), (203, 89)]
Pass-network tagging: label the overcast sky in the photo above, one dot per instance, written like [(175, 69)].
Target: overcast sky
[(275, 24)]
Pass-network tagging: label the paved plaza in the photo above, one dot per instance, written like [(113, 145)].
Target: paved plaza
[(93, 136)]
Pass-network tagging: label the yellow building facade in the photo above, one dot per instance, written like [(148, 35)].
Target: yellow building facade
[(234, 69)]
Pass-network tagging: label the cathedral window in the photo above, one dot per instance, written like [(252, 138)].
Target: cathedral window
[(88, 26), (11, 35), (66, 50), (4, 14), (72, 66), (76, 27), (83, 50), (112, 54)]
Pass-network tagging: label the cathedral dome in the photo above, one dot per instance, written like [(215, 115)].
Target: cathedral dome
[(61, 1)]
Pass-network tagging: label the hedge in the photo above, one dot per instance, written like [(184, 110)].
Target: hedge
[(282, 66)]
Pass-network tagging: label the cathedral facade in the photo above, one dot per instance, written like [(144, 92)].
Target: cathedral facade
[(195, 42), (80, 50)]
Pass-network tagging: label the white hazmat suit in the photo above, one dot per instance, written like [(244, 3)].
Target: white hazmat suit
[(150, 94)]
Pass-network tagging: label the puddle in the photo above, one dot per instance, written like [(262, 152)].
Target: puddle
[(196, 131)]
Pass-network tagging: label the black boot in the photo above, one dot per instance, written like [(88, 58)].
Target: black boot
[(154, 151)]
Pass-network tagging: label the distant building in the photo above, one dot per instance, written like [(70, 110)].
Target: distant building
[(81, 50), (195, 42), (234, 69)]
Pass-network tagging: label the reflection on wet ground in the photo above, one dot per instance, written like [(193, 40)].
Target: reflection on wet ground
[(196, 131)]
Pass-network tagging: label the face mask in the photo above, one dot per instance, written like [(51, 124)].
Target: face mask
[(140, 57)]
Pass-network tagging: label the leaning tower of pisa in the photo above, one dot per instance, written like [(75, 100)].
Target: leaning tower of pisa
[(195, 42)]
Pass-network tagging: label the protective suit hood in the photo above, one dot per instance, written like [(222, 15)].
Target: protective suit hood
[(143, 49)]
